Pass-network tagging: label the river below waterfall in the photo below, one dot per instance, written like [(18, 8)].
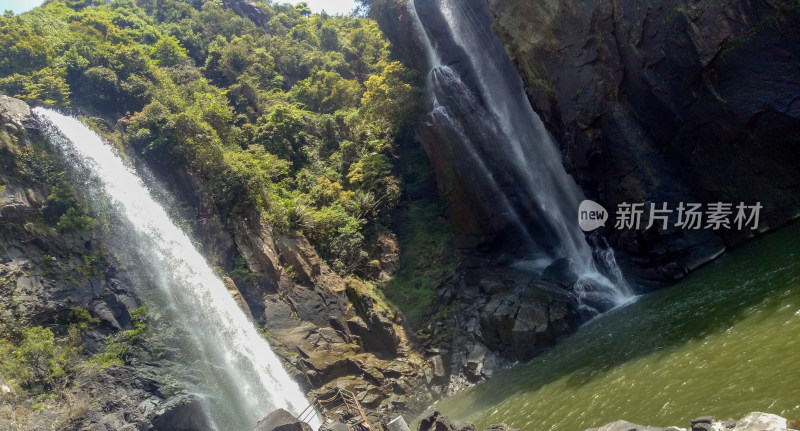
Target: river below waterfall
[(725, 341)]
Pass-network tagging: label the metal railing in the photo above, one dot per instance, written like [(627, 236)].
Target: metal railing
[(342, 397)]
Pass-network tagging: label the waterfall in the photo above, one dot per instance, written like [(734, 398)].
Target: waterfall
[(241, 375), (477, 95)]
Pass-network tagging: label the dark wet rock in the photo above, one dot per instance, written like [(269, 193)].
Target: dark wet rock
[(527, 321), (500, 427), (435, 421), (185, 413), (281, 420), (676, 101), (561, 271), (704, 423)]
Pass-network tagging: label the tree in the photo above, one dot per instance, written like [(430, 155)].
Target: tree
[(168, 52), (37, 353), (327, 92), (390, 96), (48, 87), (23, 50)]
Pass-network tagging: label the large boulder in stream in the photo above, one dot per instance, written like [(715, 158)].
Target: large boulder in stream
[(433, 420)]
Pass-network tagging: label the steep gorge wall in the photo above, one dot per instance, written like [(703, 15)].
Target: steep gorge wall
[(667, 101), (329, 330)]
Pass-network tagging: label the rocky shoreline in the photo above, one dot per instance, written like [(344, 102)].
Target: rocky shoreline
[(433, 420), (755, 421)]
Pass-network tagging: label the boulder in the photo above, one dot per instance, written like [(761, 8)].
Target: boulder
[(183, 413), (562, 271), (705, 423), (14, 113), (500, 427), (475, 360), (281, 420), (628, 426), (435, 421), (758, 421)]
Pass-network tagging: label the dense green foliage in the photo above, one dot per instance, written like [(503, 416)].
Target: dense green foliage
[(297, 123), (36, 360), (426, 256)]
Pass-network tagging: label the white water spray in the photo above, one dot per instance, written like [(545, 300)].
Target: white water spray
[(242, 376), (515, 131)]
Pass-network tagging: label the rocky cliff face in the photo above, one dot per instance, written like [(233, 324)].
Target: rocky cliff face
[(330, 331), (667, 101), (46, 274), (663, 101), (657, 101)]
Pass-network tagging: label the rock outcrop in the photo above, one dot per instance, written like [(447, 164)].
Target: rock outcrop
[(434, 421), (45, 276), (667, 101), (662, 101), (487, 319), (755, 421), (281, 420)]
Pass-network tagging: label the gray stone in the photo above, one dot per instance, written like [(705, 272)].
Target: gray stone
[(628, 426), (281, 420), (500, 427), (183, 413), (14, 111), (561, 271)]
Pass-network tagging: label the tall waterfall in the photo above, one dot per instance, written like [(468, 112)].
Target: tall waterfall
[(241, 376), (477, 95)]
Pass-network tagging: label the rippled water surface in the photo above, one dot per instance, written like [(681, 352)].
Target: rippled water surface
[(724, 342)]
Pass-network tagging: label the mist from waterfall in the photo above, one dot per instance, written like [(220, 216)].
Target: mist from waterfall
[(239, 375), (492, 117)]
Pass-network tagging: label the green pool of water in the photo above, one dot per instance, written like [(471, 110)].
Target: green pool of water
[(723, 342)]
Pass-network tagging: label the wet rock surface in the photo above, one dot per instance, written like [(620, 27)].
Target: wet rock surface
[(755, 421), (281, 420), (488, 318), (434, 421), (666, 101), (44, 277)]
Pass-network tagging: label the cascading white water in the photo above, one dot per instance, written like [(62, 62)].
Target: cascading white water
[(242, 376), (517, 133)]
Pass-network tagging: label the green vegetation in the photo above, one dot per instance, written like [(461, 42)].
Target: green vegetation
[(426, 258), (35, 361), (298, 123), (117, 345)]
